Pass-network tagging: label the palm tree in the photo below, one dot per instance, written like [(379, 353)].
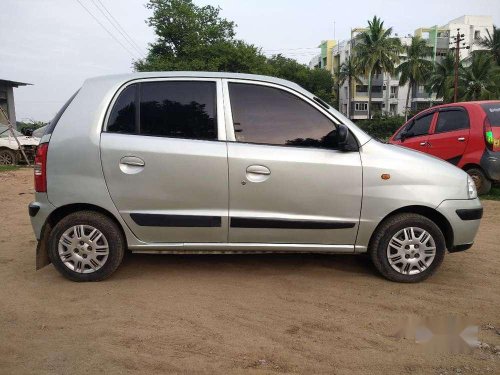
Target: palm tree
[(442, 77), (480, 80), (376, 52), (492, 43), (415, 68), (348, 72)]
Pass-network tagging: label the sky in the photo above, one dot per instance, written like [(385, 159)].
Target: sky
[(57, 44)]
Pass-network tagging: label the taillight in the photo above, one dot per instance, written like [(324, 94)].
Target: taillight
[(41, 168), (489, 139)]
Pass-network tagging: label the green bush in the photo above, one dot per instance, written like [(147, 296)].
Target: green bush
[(381, 127)]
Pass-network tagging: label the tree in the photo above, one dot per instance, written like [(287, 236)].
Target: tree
[(492, 43), (416, 67), (376, 52), (441, 78), (480, 80), (348, 72), (190, 37)]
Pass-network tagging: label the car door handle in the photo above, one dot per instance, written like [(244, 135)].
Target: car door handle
[(423, 143), (259, 169), (461, 139), (133, 161), (257, 173), (131, 164)]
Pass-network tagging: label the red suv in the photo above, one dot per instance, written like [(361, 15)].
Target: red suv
[(464, 134)]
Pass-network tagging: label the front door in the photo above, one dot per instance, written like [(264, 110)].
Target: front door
[(164, 166), (415, 134), (288, 182), (451, 134)]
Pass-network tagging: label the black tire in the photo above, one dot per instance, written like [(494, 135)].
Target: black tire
[(483, 184), (8, 157), (390, 227), (111, 232)]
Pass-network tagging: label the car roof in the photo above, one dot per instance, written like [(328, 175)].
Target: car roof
[(122, 78)]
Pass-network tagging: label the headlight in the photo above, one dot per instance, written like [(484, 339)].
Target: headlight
[(471, 188)]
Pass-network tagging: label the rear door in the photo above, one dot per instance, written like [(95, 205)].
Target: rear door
[(415, 134), (450, 135), (164, 165), (288, 184)]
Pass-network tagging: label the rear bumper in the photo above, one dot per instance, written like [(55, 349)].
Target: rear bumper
[(464, 216), (490, 163), (39, 211)]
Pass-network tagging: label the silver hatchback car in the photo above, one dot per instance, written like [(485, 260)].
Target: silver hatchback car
[(192, 162)]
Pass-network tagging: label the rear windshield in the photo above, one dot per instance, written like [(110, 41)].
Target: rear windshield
[(52, 124), (493, 113)]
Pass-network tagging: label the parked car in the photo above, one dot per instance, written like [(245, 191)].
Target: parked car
[(10, 154), (464, 134), (182, 162)]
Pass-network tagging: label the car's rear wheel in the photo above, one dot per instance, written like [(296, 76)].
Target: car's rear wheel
[(407, 248), (86, 246), (7, 157), (483, 184)]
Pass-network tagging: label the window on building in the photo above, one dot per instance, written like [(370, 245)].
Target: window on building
[(361, 88), (361, 106), (477, 34), (267, 115), (452, 120), (393, 108), (394, 92)]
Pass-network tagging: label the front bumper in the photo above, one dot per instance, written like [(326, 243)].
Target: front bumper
[(464, 216)]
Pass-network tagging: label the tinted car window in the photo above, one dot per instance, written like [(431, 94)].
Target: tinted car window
[(179, 109), (420, 126), (493, 112), (452, 120), (267, 115), (122, 117)]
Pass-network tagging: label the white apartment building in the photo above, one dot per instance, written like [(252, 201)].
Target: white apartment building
[(387, 96)]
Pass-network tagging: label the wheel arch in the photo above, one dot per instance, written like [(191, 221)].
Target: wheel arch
[(61, 212), (438, 218)]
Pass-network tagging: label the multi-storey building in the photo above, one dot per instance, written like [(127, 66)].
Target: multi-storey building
[(387, 96)]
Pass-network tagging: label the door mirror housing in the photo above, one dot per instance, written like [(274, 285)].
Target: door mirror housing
[(345, 139)]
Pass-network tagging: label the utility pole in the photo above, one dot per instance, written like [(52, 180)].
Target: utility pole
[(457, 39)]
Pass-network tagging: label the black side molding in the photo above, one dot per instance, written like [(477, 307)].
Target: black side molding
[(470, 214), (186, 221), (33, 209), (244, 222)]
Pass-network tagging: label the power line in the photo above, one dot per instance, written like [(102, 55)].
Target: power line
[(105, 29), (117, 26)]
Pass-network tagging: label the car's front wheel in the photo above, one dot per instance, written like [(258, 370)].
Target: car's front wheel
[(86, 246), (407, 248)]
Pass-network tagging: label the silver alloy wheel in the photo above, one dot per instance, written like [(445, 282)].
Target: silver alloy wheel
[(83, 249), (6, 158), (411, 251)]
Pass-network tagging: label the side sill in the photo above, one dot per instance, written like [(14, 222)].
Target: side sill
[(223, 248)]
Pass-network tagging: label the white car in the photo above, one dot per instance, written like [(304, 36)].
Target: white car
[(10, 153)]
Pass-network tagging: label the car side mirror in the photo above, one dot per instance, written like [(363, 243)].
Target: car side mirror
[(345, 140)]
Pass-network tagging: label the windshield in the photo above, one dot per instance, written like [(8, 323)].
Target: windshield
[(6, 133)]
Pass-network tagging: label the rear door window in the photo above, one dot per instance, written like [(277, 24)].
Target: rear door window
[(493, 113), (450, 120), (174, 109)]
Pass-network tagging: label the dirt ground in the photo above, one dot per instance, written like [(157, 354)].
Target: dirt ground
[(235, 313)]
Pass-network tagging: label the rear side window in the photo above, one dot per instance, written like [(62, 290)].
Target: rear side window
[(175, 109), (52, 124), (493, 113), (267, 115), (450, 120), (122, 117)]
